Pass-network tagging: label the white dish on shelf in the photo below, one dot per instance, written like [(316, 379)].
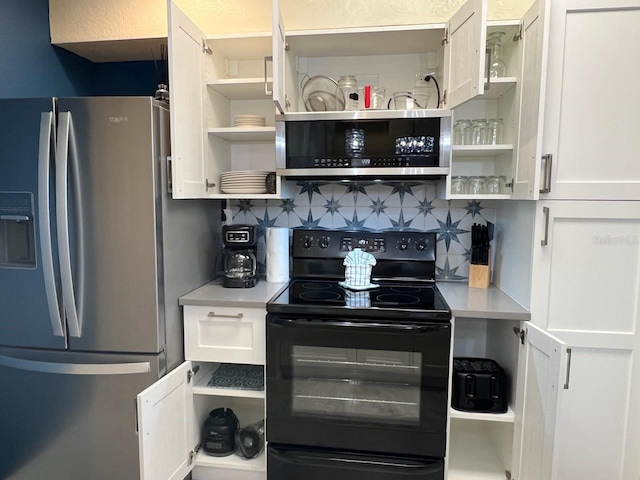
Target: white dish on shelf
[(247, 190)]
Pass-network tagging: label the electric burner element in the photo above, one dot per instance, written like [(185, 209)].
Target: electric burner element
[(320, 295), (397, 299)]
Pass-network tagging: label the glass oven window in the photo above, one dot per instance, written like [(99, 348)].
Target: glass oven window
[(357, 384)]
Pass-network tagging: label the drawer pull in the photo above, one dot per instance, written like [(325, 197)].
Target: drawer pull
[(219, 315)]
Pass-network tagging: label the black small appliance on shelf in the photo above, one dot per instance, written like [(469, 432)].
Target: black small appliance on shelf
[(219, 432), (479, 385), (239, 256)]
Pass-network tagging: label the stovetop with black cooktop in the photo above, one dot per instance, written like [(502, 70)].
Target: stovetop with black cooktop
[(397, 300), (404, 271)]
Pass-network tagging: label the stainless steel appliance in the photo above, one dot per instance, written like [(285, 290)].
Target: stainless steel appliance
[(374, 144), (239, 256), (95, 256), (357, 380)]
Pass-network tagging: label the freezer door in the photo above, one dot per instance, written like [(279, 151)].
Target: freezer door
[(110, 155), (30, 309), (65, 415)]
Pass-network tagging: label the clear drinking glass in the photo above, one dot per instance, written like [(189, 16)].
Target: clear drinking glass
[(479, 131), (458, 185), (462, 132), (494, 131), (476, 185), (494, 184)]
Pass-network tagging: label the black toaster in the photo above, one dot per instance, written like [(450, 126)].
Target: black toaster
[(479, 385)]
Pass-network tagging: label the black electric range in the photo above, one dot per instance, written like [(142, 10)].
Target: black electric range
[(404, 275), (358, 379)]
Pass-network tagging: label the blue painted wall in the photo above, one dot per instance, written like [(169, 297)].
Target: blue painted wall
[(31, 67)]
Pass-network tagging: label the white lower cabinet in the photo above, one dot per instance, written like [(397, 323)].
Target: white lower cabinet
[(172, 412), (586, 294), (480, 444)]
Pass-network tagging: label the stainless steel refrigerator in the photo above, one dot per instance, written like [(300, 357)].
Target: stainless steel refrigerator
[(93, 257)]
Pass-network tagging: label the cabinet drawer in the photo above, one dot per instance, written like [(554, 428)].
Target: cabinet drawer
[(225, 334)]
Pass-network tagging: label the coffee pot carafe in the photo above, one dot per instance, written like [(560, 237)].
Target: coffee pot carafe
[(239, 256)]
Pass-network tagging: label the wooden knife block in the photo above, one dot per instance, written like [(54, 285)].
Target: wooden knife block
[(479, 276)]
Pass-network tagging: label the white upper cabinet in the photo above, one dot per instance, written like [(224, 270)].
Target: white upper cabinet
[(530, 94), (514, 94), (464, 53), (393, 57), (216, 81), (592, 101), (186, 80), (278, 57)]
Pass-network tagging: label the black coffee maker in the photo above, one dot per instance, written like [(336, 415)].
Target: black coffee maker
[(239, 256)]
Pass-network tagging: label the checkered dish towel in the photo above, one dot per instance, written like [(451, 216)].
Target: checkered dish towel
[(358, 266)]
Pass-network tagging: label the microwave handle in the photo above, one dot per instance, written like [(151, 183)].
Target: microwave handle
[(301, 322), (354, 462)]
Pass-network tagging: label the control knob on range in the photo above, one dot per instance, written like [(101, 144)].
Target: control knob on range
[(307, 242), (324, 242), (403, 244), (421, 245)]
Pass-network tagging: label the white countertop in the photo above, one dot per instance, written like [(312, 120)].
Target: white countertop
[(464, 301), (214, 294)]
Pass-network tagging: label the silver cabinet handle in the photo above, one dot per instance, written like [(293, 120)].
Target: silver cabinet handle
[(220, 315), (546, 186), (568, 372), (266, 83), (545, 240)]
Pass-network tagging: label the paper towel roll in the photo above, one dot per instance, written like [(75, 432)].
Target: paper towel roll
[(277, 254)]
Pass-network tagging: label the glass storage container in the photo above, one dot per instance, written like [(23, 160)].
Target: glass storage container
[(479, 131), (476, 185), (494, 131), (458, 185)]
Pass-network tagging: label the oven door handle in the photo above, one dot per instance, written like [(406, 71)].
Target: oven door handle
[(355, 462), (405, 327)]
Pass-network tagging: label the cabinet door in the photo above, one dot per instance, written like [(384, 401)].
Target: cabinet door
[(279, 59), (186, 83), (535, 436), (586, 291), (464, 53), (166, 426), (531, 88), (591, 100)]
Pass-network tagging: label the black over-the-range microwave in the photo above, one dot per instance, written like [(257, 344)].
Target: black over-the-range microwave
[(380, 144)]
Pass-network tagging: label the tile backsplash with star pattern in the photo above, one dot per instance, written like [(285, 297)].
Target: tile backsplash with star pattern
[(410, 206)]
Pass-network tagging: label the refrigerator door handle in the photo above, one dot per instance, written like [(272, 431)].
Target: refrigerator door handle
[(75, 368), (44, 224), (62, 214)]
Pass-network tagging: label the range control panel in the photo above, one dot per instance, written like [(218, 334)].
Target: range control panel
[(391, 245)]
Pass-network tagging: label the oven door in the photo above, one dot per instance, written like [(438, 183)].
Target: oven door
[(298, 463), (349, 384)]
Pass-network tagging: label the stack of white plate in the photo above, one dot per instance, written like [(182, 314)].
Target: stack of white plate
[(248, 121), (244, 181)]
